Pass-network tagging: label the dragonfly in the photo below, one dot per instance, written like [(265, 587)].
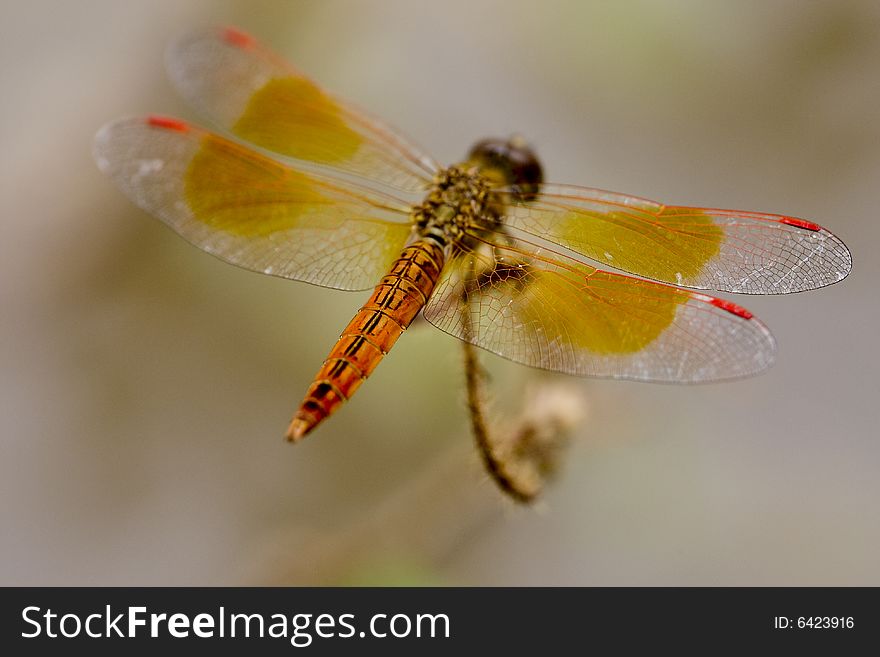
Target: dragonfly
[(305, 186)]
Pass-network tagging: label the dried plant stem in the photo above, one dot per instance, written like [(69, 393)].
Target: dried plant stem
[(494, 462), (521, 459)]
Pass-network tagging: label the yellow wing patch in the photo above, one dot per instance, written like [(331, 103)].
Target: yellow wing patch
[(603, 315), (673, 246), (249, 196), (294, 117)]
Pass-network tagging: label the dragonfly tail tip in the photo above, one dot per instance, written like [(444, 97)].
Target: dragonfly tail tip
[(297, 430)]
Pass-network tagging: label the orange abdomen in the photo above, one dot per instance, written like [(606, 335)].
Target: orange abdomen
[(375, 328)]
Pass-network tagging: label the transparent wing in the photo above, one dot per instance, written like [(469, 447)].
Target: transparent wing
[(724, 250), (509, 297), (251, 210), (249, 90)]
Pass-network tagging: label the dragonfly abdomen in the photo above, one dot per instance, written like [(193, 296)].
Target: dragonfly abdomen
[(394, 304)]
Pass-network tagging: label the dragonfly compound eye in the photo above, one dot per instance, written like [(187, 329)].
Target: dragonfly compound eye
[(509, 162)]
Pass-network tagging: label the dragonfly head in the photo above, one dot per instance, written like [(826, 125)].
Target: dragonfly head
[(508, 162)]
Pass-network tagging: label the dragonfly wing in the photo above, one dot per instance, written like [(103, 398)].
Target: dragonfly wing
[(252, 210), (252, 92), (561, 314), (724, 250)]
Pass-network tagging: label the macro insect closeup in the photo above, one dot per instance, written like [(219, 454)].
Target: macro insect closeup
[(307, 187)]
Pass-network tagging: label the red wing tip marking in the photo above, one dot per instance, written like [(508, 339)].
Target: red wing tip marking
[(800, 223), (236, 37), (167, 123), (731, 307)]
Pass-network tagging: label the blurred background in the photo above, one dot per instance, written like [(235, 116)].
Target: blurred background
[(146, 386)]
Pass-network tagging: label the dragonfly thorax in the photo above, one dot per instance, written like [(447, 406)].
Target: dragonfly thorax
[(460, 198), (470, 195)]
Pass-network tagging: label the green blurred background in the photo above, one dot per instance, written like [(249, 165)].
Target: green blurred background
[(146, 385)]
